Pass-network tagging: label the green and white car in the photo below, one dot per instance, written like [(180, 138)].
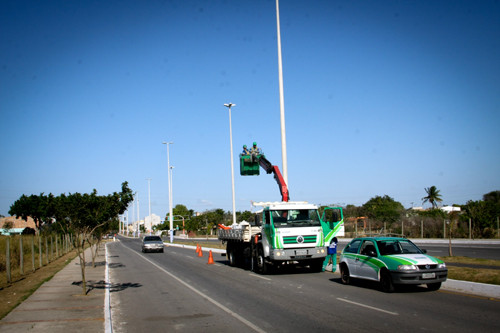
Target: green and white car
[(390, 260)]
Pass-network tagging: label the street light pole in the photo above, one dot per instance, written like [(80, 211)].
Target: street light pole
[(170, 192), (149, 199), (229, 105), (282, 99)]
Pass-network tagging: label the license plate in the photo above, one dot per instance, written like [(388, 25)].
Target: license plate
[(428, 275), (300, 252)]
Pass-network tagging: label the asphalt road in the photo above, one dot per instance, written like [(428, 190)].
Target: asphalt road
[(178, 291)]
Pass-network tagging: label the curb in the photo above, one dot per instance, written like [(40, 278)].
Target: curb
[(474, 288)]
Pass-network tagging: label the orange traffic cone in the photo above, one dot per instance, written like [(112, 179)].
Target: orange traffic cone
[(210, 258), (197, 248), (200, 253)]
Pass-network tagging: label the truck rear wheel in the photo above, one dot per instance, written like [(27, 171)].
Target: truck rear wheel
[(231, 257)]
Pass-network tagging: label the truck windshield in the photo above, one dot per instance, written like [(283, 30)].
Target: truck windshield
[(295, 218)]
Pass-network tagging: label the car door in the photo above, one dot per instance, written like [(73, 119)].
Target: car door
[(366, 264), (350, 256)]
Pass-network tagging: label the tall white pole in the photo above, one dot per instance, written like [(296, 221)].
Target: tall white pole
[(170, 201), (149, 199), (282, 99), (138, 217), (133, 212), (229, 105)]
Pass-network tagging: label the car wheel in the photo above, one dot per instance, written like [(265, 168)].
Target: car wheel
[(344, 274), (386, 281), (434, 286)]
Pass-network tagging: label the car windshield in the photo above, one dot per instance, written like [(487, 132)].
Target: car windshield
[(152, 239), (295, 218), (388, 247)]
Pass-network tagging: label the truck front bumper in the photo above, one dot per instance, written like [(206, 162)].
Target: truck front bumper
[(297, 253)]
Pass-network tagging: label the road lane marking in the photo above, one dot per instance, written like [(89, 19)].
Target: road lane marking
[(108, 328), (260, 277), (368, 307), (208, 298)]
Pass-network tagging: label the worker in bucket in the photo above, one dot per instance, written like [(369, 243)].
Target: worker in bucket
[(245, 150), (255, 150)]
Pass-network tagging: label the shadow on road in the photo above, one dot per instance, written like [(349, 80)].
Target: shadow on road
[(113, 287), (375, 285)]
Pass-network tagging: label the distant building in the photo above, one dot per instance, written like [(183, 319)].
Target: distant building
[(151, 221), (449, 209), (17, 225)]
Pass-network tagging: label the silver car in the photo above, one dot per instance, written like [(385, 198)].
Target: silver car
[(152, 244)]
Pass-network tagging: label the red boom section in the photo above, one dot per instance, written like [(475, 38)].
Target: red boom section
[(266, 165)]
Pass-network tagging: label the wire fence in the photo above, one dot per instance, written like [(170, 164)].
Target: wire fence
[(23, 254), (418, 227)]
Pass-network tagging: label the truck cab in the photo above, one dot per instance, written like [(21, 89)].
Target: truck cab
[(290, 232)]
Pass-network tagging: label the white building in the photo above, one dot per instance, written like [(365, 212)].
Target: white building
[(449, 209), (151, 221)]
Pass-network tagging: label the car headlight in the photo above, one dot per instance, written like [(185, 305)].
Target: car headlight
[(441, 265), (407, 268)]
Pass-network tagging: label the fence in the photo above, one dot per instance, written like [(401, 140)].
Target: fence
[(21, 254), (421, 227)]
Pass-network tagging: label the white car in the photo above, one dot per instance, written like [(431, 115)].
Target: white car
[(391, 261), (152, 244)]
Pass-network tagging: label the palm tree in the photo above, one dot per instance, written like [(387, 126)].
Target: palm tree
[(433, 196)]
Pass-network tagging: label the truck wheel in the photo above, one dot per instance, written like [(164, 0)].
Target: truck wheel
[(316, 265), (232, 257), (262, 266)]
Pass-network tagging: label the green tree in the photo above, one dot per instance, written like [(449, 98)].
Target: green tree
[(245, 216), (383, 209), (39, 207), (433, 196), (84, 214)]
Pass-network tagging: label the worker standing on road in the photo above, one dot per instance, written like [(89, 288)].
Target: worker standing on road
[(330, 263)]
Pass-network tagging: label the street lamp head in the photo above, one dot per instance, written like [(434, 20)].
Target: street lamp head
[(166, 143), (229, 105)]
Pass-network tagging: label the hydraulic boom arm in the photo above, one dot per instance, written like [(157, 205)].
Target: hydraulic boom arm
[(266, 165)]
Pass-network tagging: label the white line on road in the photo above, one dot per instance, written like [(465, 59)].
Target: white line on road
[(368, 307), (108, 328), (232, 313), (260, 277)]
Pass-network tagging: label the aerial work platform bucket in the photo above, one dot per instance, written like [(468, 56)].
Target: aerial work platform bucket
[(249, 165)]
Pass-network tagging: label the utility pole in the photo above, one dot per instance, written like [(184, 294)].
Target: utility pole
[(282, 100)]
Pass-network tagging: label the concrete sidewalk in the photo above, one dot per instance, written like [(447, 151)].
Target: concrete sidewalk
[(59, 306)]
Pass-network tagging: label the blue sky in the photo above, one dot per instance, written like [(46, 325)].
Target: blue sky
[(381, 98)]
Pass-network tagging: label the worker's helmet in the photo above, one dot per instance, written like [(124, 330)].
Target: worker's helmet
[(255, 143), (244, 146)]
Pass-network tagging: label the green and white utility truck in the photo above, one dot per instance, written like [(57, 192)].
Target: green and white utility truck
[(285, 233)]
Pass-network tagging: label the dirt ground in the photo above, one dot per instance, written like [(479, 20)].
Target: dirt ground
[(16, 292)]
